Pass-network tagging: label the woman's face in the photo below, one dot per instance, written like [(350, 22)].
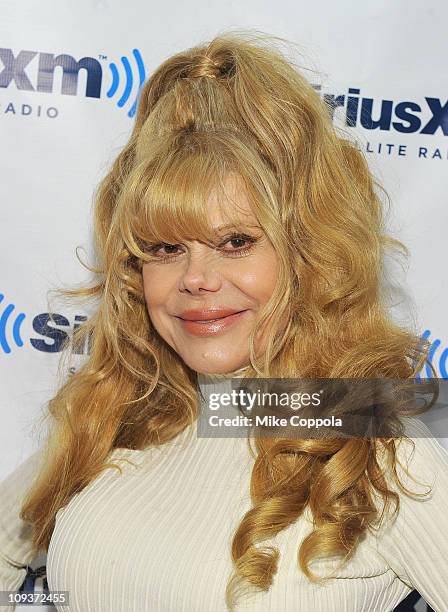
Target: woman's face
[(204, 281)]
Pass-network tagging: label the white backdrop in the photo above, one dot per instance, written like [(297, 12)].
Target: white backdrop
[(58, 138)]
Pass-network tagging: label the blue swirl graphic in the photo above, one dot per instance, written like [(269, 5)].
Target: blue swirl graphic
[(4, 344), (141, 76), (129, 80), (115, 80), (439, 362)]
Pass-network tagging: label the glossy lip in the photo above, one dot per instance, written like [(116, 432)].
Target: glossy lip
[(204, 314), (198, 328)]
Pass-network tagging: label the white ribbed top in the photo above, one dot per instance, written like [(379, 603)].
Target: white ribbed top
[(157, 538)]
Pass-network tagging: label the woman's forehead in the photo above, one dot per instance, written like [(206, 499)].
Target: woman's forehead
[(226, 215), (229, 205)]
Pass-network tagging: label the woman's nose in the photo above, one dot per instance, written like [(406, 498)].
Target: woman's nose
[(200, 273)]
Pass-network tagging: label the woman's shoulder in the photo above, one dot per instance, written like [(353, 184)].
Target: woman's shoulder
[(422, 454), (419, 455), (415, 541)]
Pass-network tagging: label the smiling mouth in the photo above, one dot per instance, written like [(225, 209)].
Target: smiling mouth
[(209, 327), (225, 316)]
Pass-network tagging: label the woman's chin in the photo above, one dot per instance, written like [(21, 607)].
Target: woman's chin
[(218, 368)]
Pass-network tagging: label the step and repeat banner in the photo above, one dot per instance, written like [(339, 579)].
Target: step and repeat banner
[(70, 74)]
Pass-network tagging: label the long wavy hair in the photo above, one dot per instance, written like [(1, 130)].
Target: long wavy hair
[(237, 104)]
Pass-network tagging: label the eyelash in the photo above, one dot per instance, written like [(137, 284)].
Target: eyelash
[(239, 253)]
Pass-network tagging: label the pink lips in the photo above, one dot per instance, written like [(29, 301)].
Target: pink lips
[(201, 322)]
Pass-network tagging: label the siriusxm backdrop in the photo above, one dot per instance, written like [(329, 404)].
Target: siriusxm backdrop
[(70, 74)]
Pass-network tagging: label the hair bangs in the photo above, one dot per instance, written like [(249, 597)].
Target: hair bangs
[(170, 204)]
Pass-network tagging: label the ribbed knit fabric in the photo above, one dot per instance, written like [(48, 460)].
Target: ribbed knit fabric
[(157, 538)]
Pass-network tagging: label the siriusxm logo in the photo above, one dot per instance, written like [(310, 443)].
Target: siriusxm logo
[(15, 71), (53, 330), (404, 116)]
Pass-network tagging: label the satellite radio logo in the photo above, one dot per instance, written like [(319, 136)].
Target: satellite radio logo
[(403, 116), (51, 330), (126, 79)]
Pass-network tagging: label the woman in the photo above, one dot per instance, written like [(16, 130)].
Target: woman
[(237, 235)]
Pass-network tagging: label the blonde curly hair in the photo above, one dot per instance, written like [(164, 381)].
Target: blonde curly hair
[(237, 104)]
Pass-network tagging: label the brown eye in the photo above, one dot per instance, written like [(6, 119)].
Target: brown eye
[(240, 248), (157, 251), (171, 247), (233, 240)]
